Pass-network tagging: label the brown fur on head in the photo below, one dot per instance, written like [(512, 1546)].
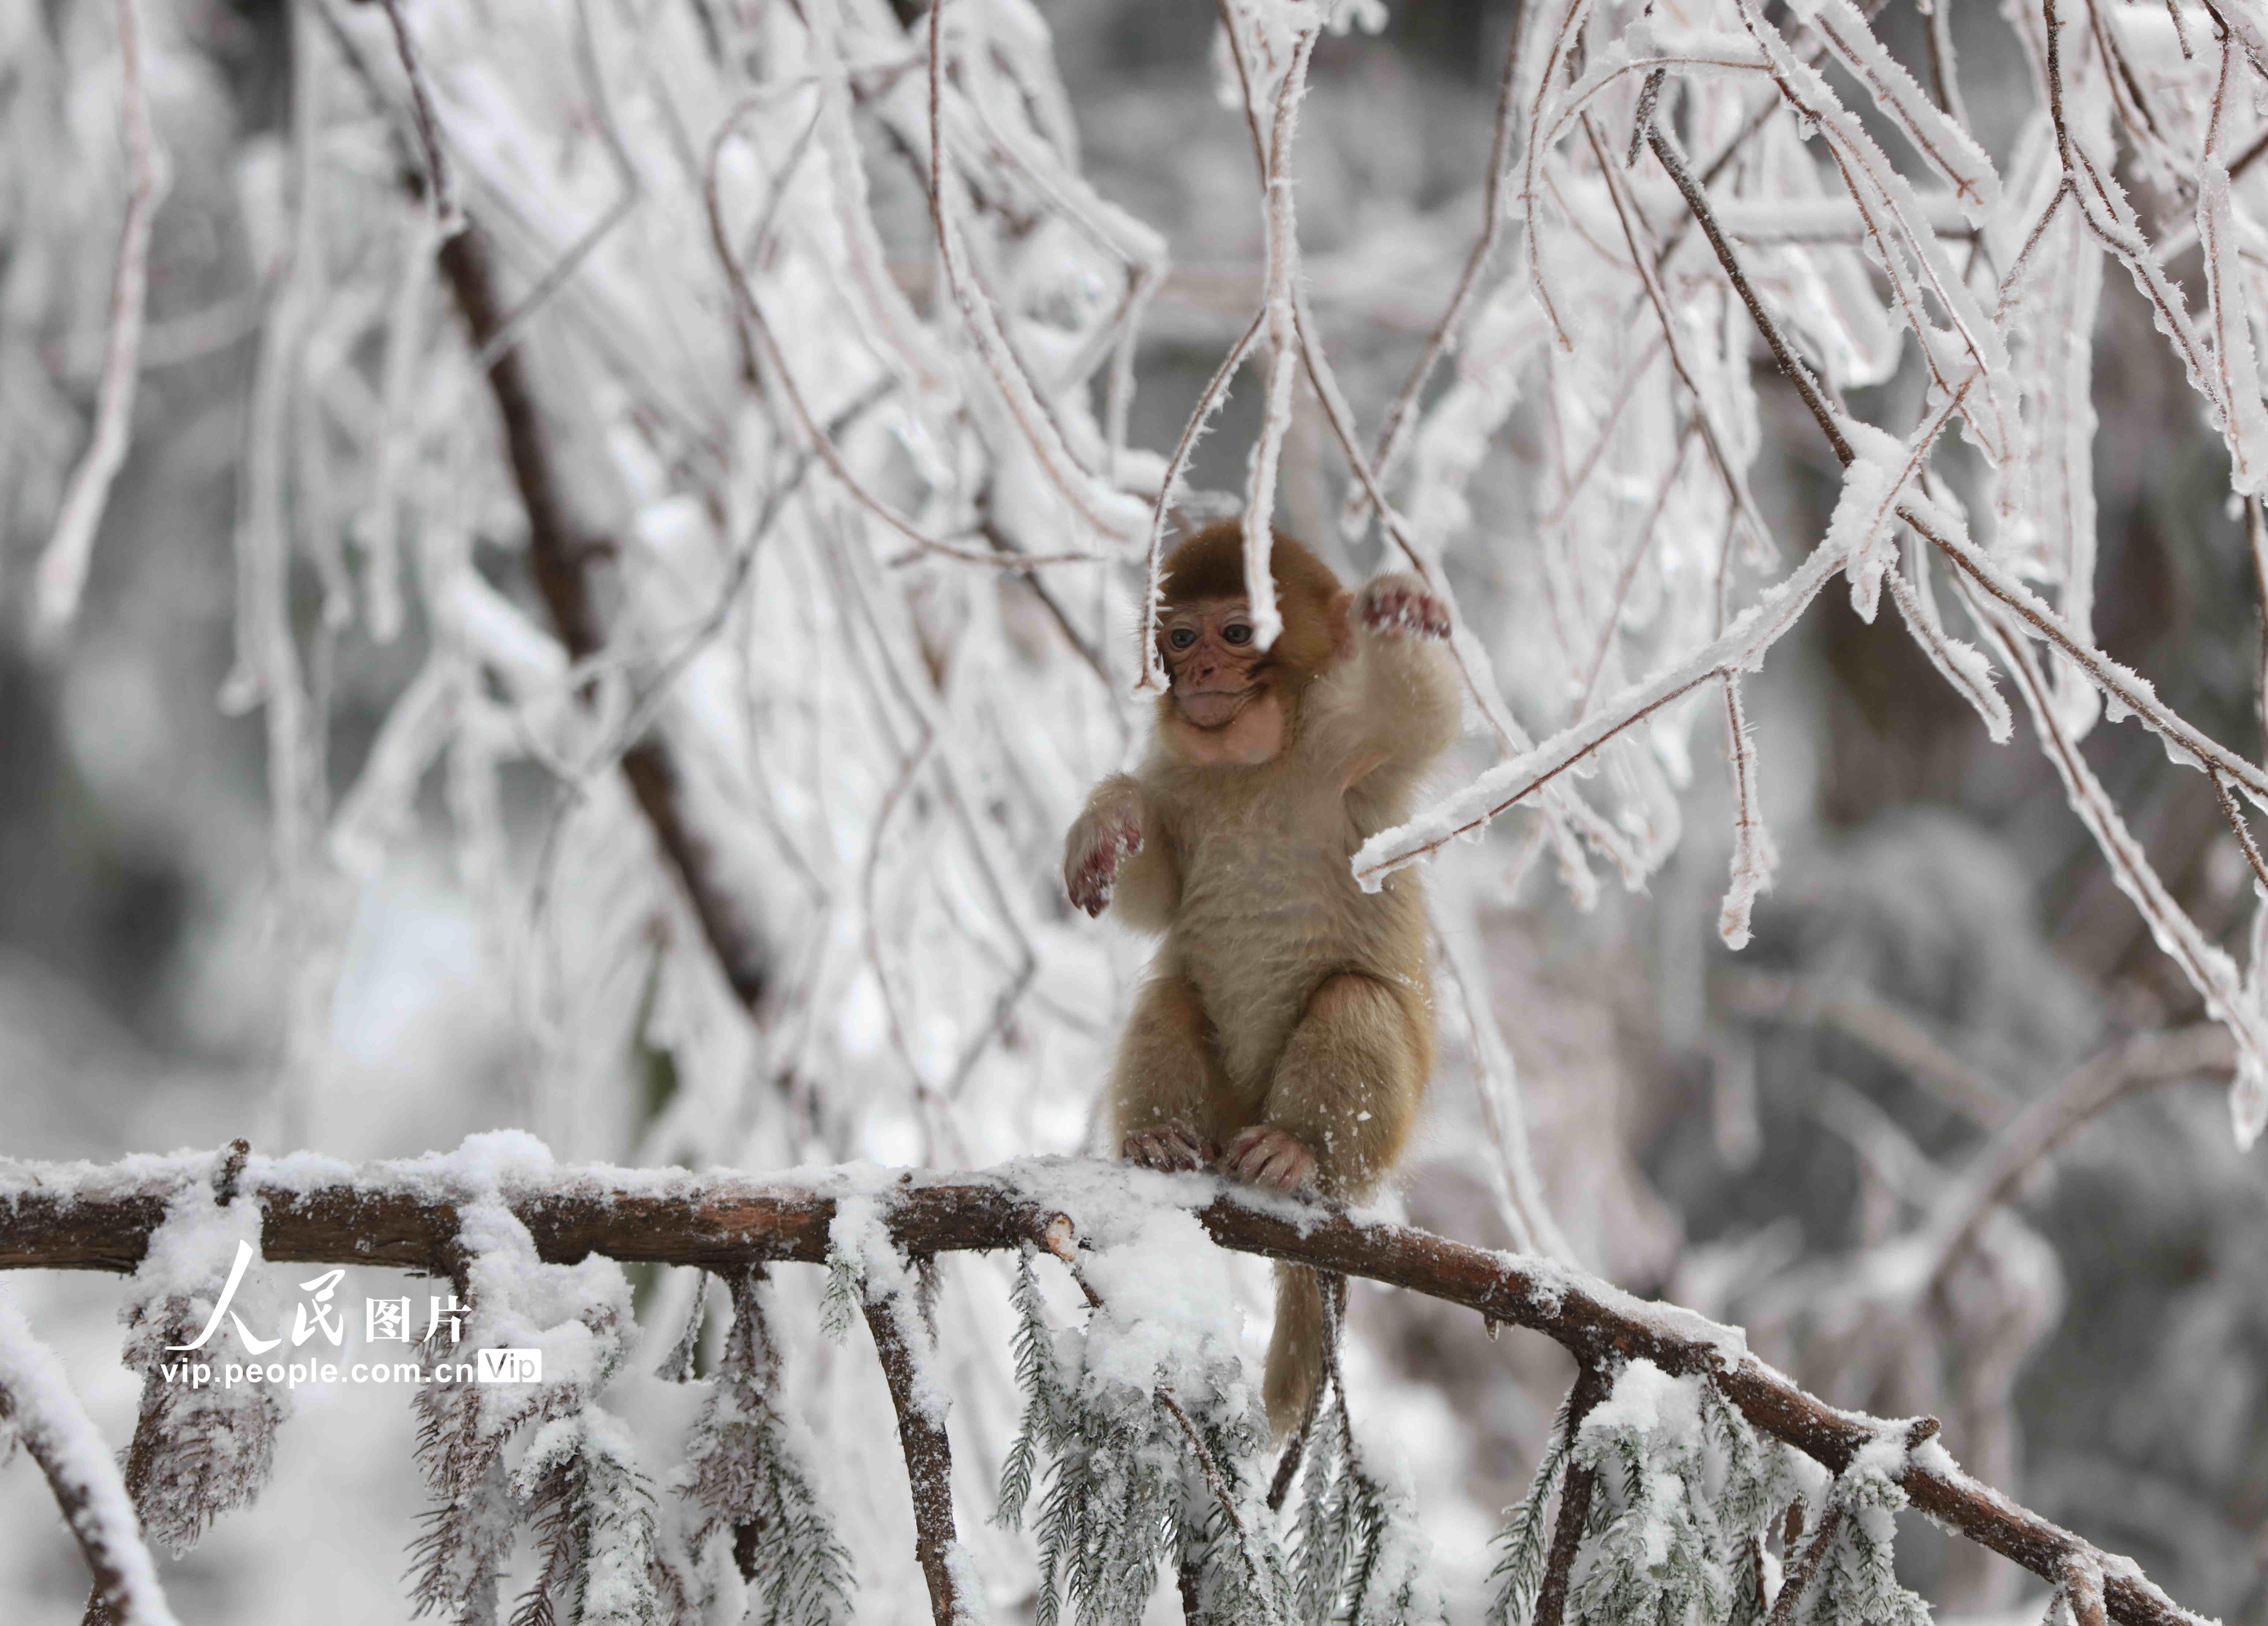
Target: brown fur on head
[(1232, 702), (1211, 564)]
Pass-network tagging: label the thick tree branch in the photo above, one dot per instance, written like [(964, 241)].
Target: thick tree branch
[(561, 548), (67, 1217)]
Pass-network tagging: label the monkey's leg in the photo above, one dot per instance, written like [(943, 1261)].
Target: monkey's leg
[(1345, 1093), (1341, 1106), (1167, 1090)]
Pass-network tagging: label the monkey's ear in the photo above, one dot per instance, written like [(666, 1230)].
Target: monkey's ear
[(1338, 615)]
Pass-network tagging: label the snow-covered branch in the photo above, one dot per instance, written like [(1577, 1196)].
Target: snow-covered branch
[(39, 1411), (408, 1215)]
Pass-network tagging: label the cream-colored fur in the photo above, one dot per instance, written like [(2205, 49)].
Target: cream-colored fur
[(1283, 994)]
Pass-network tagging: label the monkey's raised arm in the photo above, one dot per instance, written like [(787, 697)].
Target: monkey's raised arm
[(1392, 705), (1117, 857)]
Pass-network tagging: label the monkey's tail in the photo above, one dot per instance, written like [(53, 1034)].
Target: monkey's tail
[(1295, 1353)]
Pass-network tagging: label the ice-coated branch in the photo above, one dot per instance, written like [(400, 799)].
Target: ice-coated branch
[(403, 1215), (63, 565), (37, 1405)]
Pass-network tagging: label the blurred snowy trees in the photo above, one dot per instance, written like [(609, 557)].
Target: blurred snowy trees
[(728, 549)]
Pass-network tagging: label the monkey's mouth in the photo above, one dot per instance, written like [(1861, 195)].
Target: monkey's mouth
[(1216, 708)]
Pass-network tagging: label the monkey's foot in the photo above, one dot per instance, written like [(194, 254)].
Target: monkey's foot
[(1393, 605), (1172, 1147), (1268, 1156)]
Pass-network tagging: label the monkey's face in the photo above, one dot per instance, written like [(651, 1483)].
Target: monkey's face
[(1216, 671)]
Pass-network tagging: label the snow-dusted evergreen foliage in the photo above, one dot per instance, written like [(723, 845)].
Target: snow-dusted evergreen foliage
[(1148, 1456), (1684, 1499), (199, 1449), (748, 1475), (577, 1480), (1358, 1554)]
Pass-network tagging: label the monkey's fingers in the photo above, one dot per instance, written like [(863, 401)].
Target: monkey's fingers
[(1092, 883), (1271, 1157), (1173, 1148), (1397, 606)]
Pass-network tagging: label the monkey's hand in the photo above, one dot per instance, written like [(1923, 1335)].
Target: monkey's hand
[(1397, 606), (1107, 835), (1171, 1147), (1271, 1157)]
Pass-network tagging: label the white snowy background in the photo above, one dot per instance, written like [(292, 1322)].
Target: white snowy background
[(309, 833)]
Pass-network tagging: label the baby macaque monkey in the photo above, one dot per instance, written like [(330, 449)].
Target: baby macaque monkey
[(1286, 1032)]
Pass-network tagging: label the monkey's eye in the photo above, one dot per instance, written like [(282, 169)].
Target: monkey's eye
[(1181, 637), (1237, 632)]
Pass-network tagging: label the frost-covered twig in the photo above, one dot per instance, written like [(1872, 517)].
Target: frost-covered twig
[(62, 1216), (38, 1407), (1575, 1494), (920, 1405), (1282, 237), (1152, 680), (63, 564)]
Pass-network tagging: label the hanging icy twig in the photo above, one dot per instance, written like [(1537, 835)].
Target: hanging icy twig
[(1152, 680), (2102, 205), (63, 563), (1567, 816), (38, 1408), (1511, 1171), (1962, 666), (1791, 368), (1754, 856), (1282, 272), (1939, 136), (1907, 251)]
